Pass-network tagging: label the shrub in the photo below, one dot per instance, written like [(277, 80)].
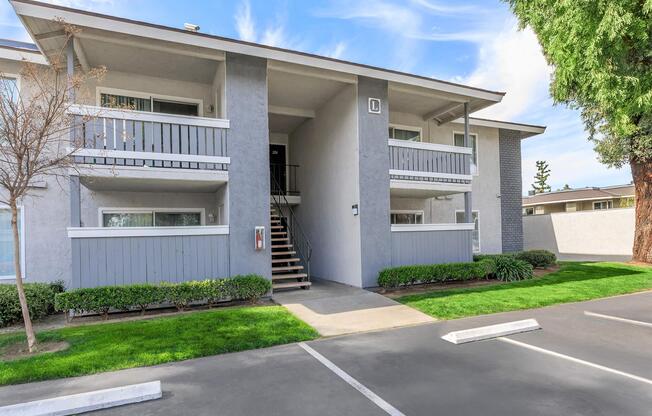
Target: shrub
[(40, 300), (249, 287), (538, 258), (184, 293), (510, 269), (431, 273), (97, 299), (138, 296), (479, 257), (215, 290)]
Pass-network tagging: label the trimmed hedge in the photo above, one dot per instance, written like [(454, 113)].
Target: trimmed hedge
[(537, 258), (101, 300), (434, 273), (40, 300)]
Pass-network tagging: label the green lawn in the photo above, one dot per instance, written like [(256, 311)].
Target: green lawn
[(98, 348), (572, 283)]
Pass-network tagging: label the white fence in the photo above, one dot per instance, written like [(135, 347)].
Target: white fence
[(580, 234)]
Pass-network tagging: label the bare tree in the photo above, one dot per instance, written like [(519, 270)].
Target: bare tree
[(37, 138)]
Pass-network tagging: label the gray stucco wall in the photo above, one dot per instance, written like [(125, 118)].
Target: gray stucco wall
[(374, 181), (249, 196), (326, 149), (511, 189)]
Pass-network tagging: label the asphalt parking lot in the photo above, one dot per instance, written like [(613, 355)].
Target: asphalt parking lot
[(578, 364)]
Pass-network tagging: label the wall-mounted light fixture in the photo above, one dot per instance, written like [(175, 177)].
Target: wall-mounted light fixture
[(355, 210)]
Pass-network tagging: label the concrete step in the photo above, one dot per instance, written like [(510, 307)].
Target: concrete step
[(289, 285), (288, 260), (286, 268)]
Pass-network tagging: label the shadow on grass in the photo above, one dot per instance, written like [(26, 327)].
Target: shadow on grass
[(569, 272)]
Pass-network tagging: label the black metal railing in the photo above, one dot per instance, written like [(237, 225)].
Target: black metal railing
[(284, 179), (298, 237)]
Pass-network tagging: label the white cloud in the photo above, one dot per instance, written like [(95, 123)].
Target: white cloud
[(336, 51), (445, 9), (244, 23)]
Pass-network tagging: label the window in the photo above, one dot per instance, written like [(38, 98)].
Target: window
[(528, 211), (406, 217), (151, 217), (459, 218), (412, 134), (459, 141), (148, 103), (603, 205), (9, 87), (7, 269)]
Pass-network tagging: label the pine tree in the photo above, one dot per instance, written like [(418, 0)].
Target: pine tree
[(540, 184)]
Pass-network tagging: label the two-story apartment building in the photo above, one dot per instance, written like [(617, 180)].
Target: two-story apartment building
[(235, 157), (580, 199)]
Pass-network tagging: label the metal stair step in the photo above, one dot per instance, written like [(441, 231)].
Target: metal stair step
[(283, 253), (289, 276), (288, 260), (281, 246), (286, 268)]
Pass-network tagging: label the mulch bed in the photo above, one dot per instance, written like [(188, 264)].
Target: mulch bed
[(430, 287)]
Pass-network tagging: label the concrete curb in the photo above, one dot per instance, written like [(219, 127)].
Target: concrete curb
[(86, 402), (491, 331)]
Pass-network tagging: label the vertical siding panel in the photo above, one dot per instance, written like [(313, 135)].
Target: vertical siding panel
[(176, 143), (185, 144)]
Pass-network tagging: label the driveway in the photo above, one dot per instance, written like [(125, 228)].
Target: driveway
[(577, 364), (336, 309)]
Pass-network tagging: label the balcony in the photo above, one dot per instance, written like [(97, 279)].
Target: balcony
[(424, 170), (122, 148)]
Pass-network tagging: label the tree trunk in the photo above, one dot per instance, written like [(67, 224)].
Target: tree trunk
[(29, 331), (642, 174)]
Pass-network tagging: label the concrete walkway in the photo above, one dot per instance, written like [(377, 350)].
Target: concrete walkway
[(336, 309)]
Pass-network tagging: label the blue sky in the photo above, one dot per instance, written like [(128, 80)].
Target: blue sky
[(472, 42)]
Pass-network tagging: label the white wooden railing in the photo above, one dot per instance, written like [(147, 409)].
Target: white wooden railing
[(105, 136), (429, 162)]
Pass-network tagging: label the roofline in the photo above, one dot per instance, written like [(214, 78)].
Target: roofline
[(16, 54), (599, 198), (40, 10), (507, 125)]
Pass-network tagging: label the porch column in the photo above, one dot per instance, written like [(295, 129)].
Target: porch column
[(75, 188), (468, 217), (249, 189)]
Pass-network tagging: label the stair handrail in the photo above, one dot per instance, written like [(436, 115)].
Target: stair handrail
[(297, 234)]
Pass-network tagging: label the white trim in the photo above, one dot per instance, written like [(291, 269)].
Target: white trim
[(149, 173), (131, 210), (22, 237), (109, 232), (430, 186), (599, 198), (502, 125), (123, 114), (398, 228), (430, 146), (160, 33), (128, 154), (22, 55), (150, 96), (477, 213), (477, 150), (407, 128), (291, 111), (436, 175)]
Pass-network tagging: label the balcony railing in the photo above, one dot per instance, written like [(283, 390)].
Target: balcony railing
[(429, 162), (136, 138), (284, 179)]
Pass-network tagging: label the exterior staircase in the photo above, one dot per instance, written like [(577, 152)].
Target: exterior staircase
[(288, 271)]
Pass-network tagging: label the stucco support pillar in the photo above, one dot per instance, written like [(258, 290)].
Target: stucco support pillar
[(75, 187), (375, 231), (468, 217), (248, 141)]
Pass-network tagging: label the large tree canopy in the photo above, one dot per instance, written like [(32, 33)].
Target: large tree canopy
[(601, 52)]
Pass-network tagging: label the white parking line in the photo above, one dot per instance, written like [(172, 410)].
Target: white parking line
[(618, 319), (377, 400), (576, 360)]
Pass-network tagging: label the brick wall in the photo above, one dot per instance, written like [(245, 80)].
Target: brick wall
[(511, 188)]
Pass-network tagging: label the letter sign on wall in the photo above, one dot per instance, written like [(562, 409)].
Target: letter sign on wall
[(374, 105)]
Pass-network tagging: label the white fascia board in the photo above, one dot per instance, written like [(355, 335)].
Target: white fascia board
[(430, 186), (146, 116), (111, 232), (507, 125), (149, 173), (20, 55), (44, 11), (401, 228), (430, 146), (434, 175)]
